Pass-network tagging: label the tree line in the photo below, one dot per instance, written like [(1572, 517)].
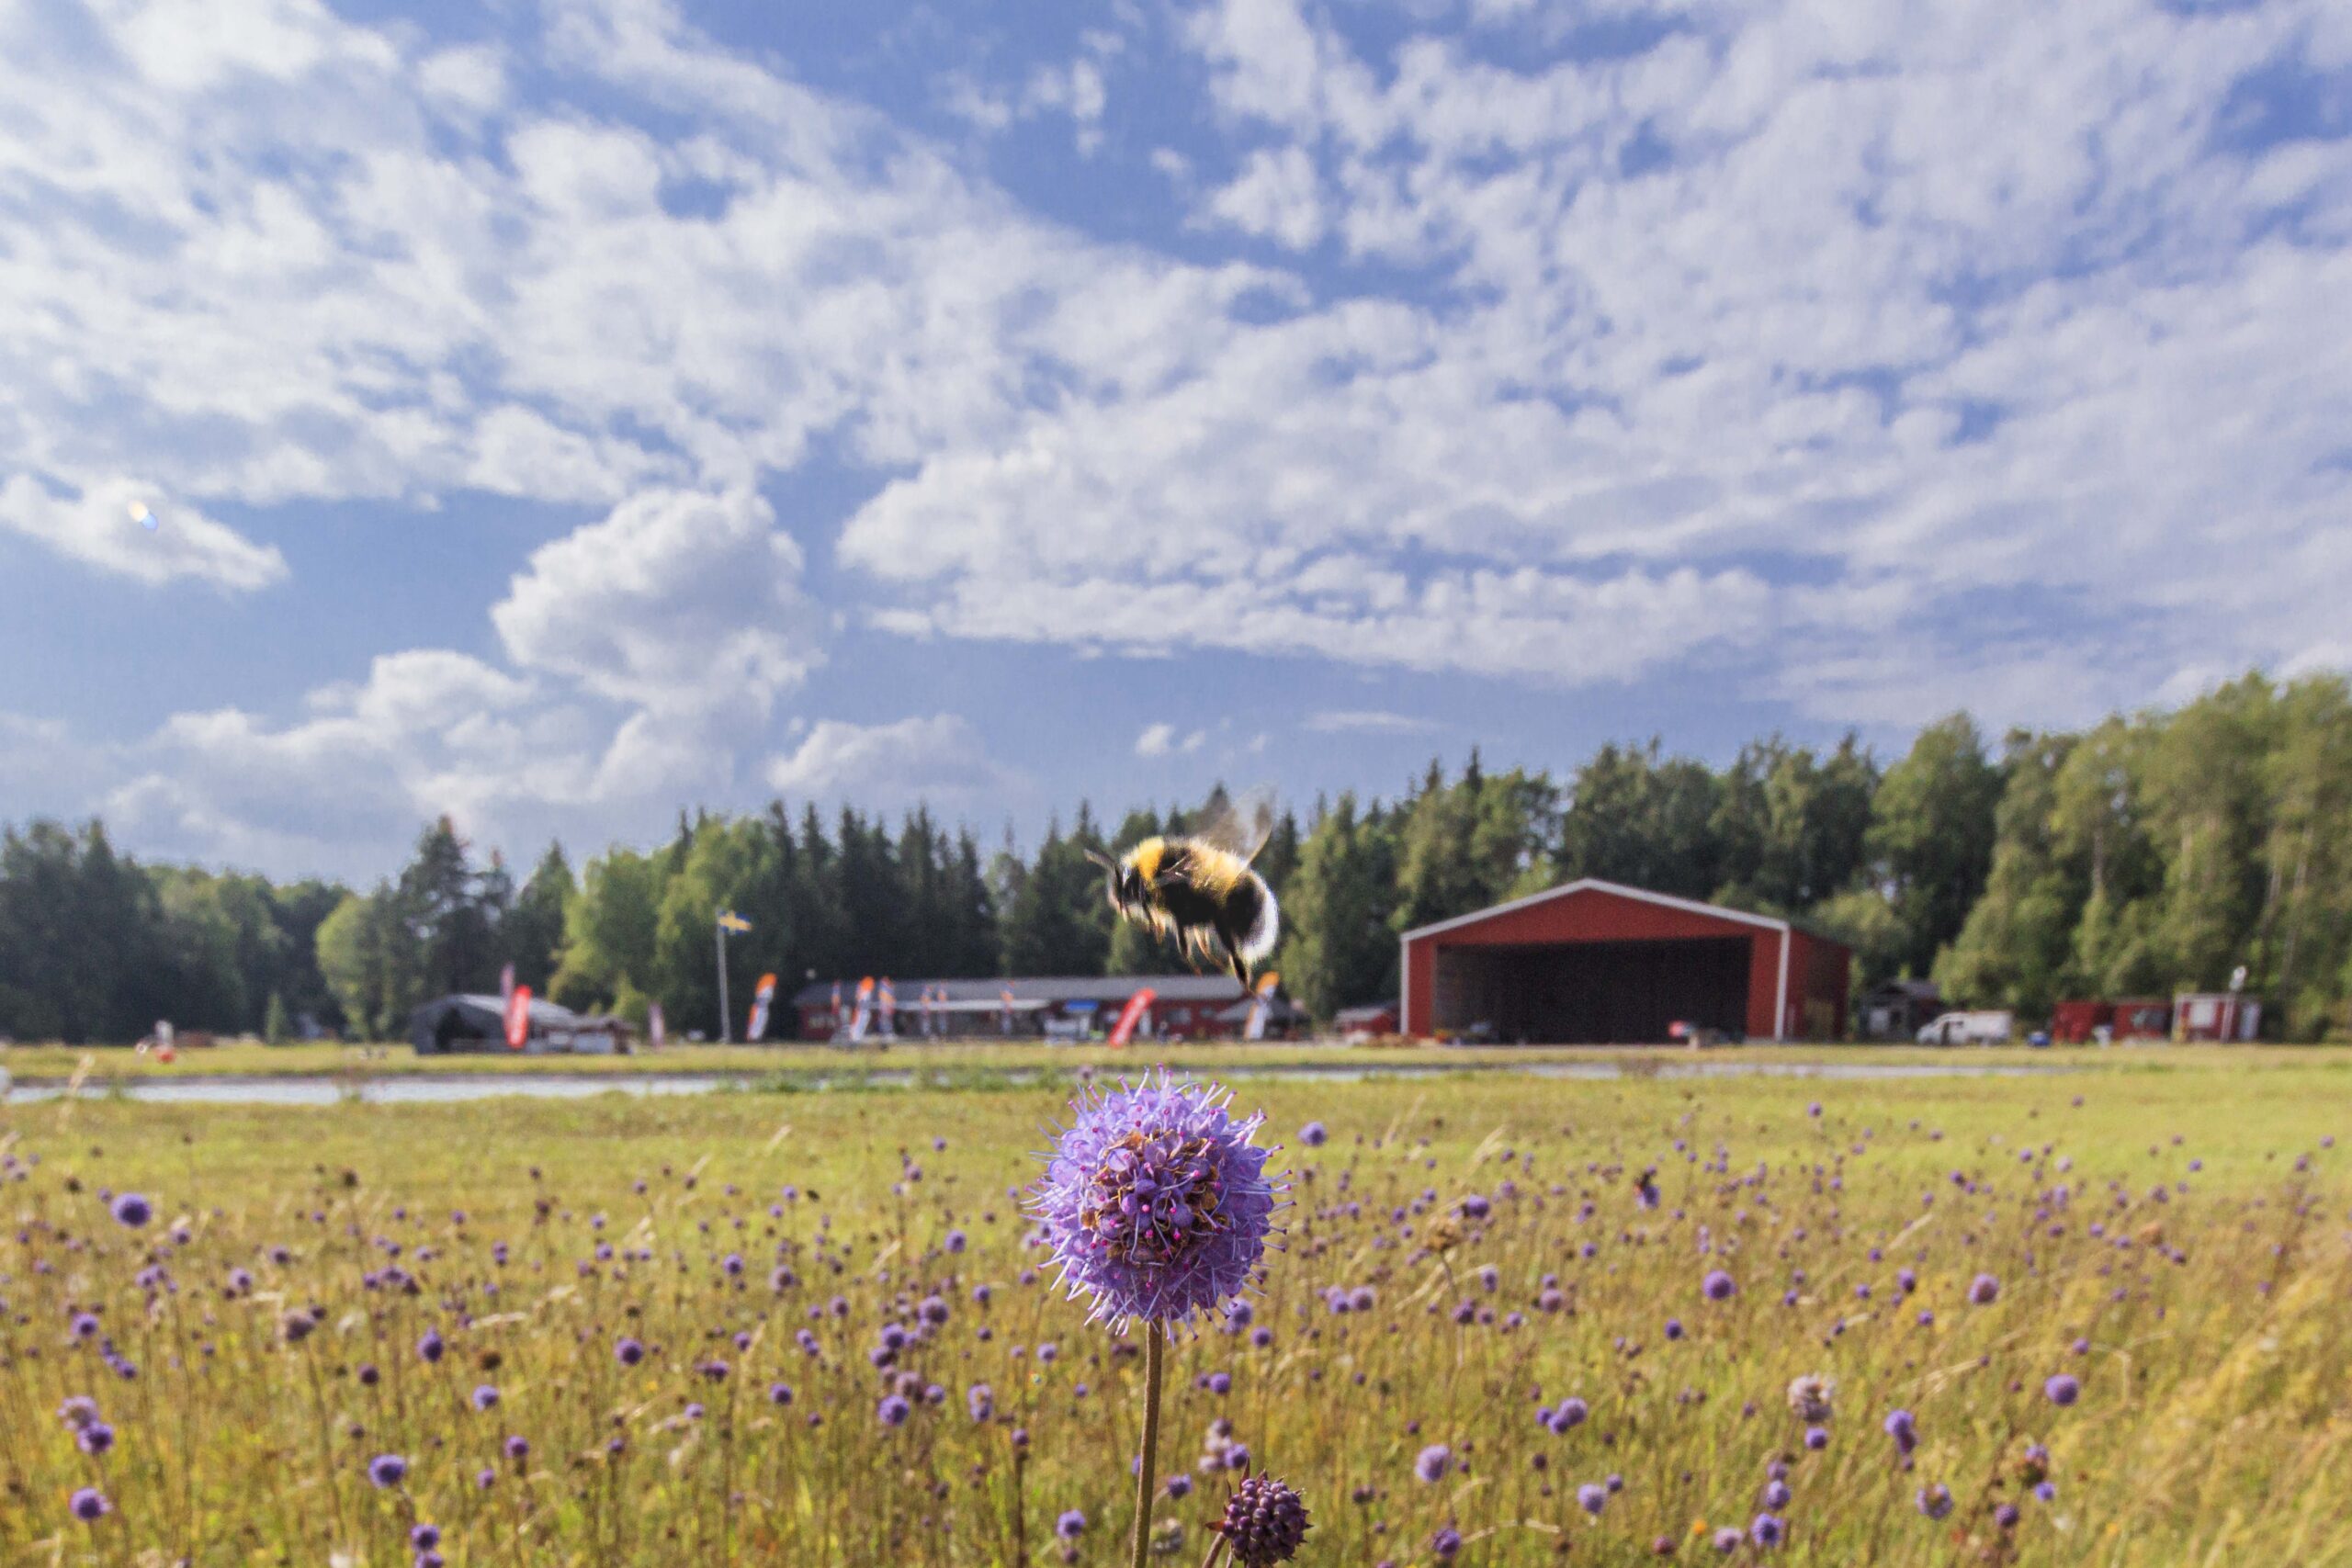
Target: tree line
[(2149, 853)]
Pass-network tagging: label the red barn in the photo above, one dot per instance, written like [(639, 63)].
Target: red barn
[(1599, 963)]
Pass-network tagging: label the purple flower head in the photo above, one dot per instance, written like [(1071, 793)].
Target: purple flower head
[(1983, 1290), (430, 1346), (1903, 1429), (2063, 1389), (518, 1448), (1767, 1530), (1155, 1202), (1264, 1521), (1570, 1414), (1445, 1543), (1718, 1286), (78, 1411), (1433, 1461), (981, 1400), (1728, 1540), (485, 1396), (90, 1505), (1314, 1134), (1070, 1525), (133, 1209), (387, 1470), (95, 1438), (629, 1353), (1592, 1498), (893, 1411), (425, 1538), (1935, 1501)]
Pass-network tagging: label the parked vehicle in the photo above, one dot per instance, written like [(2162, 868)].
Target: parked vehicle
[(1983, 1028)]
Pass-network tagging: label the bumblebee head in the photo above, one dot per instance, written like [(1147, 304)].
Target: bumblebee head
[(1123, 883)]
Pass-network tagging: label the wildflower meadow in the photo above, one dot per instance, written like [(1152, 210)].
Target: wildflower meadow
[(2102, 1316)]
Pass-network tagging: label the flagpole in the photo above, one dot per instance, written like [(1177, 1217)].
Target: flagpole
[(720, 921)]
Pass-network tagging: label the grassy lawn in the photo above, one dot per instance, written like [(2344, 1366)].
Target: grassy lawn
[(2173, 1240)]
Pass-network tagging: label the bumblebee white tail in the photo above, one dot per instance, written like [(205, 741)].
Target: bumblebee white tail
[(1258, 943)]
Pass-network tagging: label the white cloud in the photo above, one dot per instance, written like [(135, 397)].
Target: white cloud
[(677, 600), (940, 758), (1157, 741), (105, 526), (1277, 195), (1365, 721)]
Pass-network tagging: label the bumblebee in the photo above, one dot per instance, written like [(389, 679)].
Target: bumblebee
[(1198, 889)]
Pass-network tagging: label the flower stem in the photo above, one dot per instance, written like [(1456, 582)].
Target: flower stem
[(1146, 1477)]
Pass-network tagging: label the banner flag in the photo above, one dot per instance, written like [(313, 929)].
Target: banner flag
[(653, 1029), (1130, 1015), (1259, 1006), (518, 1018), (759, 1001)]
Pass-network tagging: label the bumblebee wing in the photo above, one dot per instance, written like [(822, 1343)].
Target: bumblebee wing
[(1238, 827)]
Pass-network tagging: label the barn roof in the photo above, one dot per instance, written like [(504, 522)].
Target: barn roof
[(1595, 884)]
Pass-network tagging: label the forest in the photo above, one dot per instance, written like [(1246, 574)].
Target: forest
[(2152, 853)]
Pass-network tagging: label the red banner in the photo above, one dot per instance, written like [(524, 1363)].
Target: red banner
[(518, 1018), (1130, 1015)]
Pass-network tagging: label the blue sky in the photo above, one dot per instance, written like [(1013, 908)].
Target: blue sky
[(557, 414)]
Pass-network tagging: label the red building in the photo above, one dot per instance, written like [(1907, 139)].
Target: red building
[(1599, 963)]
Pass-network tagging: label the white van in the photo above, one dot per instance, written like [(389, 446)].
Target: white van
[(1969, 1029)]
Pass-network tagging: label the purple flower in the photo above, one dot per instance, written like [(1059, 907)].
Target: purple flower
[(1433, 1461), (2046, 1492), (1445, 1543), (95, 1438), (133, 1209), (1155, 1202), (90, 1505), (485, 1396), (1776, 1493), (387, 1470), (1935, 1501), (779, 1394), (1718, 1286), (1767, 1530), (1983, 1290), (425, 1538), (2063, 1389), (78, 1411), (518, 1448), (981, 1400), (893, 1411), (1592, 1498), (1728, 1540), (1901, 1425), (1570, 1414), (430, 1346), (1070, 1525), (1314, 1134), (1264, 1520), (628, 1352)]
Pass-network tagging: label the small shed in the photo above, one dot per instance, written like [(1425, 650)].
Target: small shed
[(477, 1022)]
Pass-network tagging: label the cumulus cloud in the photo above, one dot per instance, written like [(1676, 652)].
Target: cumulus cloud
[(938, 757), (676, 600), (105, 526)]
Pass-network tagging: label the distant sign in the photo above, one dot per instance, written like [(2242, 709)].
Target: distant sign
[(518, 1018)]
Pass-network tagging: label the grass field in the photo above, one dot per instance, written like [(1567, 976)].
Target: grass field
[(2175, 1241)]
